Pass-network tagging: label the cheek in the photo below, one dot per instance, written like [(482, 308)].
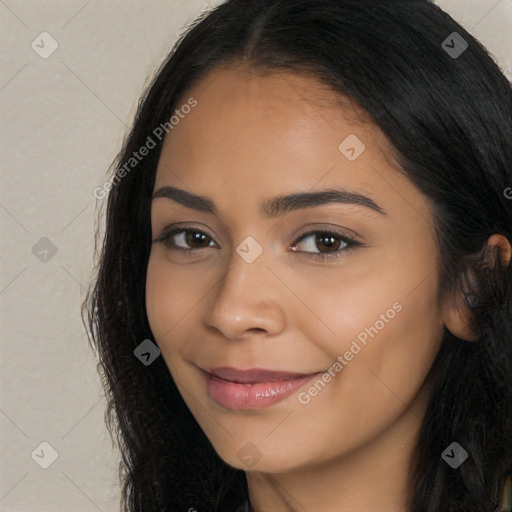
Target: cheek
[(383, 319), (367, 302), (380, 381), (393, 364), (409, 348), (169, 298), (363, 296), (385, 378)]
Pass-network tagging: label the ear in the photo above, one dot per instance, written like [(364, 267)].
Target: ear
[(456, 316), (456, 309), (500, 244)]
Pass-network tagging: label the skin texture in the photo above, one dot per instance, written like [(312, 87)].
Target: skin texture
[(252, 137)]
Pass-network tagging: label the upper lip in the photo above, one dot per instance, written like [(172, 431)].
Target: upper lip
[(254, 375)]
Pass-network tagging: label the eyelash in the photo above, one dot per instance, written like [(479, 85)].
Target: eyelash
[(166, 238)]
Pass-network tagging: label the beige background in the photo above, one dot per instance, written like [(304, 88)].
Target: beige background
[(63, 120)]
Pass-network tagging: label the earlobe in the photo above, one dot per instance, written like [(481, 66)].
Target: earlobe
[(457, 317), (457, 309)]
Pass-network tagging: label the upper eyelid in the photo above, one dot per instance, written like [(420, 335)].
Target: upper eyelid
[(174, 229)]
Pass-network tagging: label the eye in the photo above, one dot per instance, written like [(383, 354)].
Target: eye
[(315, 244), (324, 244), (185, 239)]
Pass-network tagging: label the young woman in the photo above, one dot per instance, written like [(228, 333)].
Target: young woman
[(303, 300)]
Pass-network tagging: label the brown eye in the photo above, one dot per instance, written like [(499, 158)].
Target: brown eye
[(322, 242), (196, 239), (325, 245), (185, 239), (327, 241)]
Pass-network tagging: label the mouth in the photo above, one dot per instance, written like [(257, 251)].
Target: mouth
[(254, 388)]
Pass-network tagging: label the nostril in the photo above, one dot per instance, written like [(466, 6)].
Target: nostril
[(256, 329)]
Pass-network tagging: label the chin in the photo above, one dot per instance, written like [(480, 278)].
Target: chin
[(262, 457)]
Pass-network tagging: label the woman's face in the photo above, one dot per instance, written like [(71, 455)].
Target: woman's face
[(255, 267)]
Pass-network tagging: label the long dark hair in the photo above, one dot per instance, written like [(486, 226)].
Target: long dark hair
[(448, 118)]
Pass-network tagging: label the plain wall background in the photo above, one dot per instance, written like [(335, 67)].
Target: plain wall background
[(63, 121)]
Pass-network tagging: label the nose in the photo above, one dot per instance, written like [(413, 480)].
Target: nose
[(246, 302)]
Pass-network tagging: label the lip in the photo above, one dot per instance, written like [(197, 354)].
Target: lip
[(254, 388)]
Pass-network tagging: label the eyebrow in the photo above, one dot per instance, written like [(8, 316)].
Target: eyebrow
[(276, 206)]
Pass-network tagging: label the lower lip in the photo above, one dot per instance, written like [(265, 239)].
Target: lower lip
[(233, 395)]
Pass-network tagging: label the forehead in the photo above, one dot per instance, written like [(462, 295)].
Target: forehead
[(237, 103), (252, 136), (241, 87), (270, 87)]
